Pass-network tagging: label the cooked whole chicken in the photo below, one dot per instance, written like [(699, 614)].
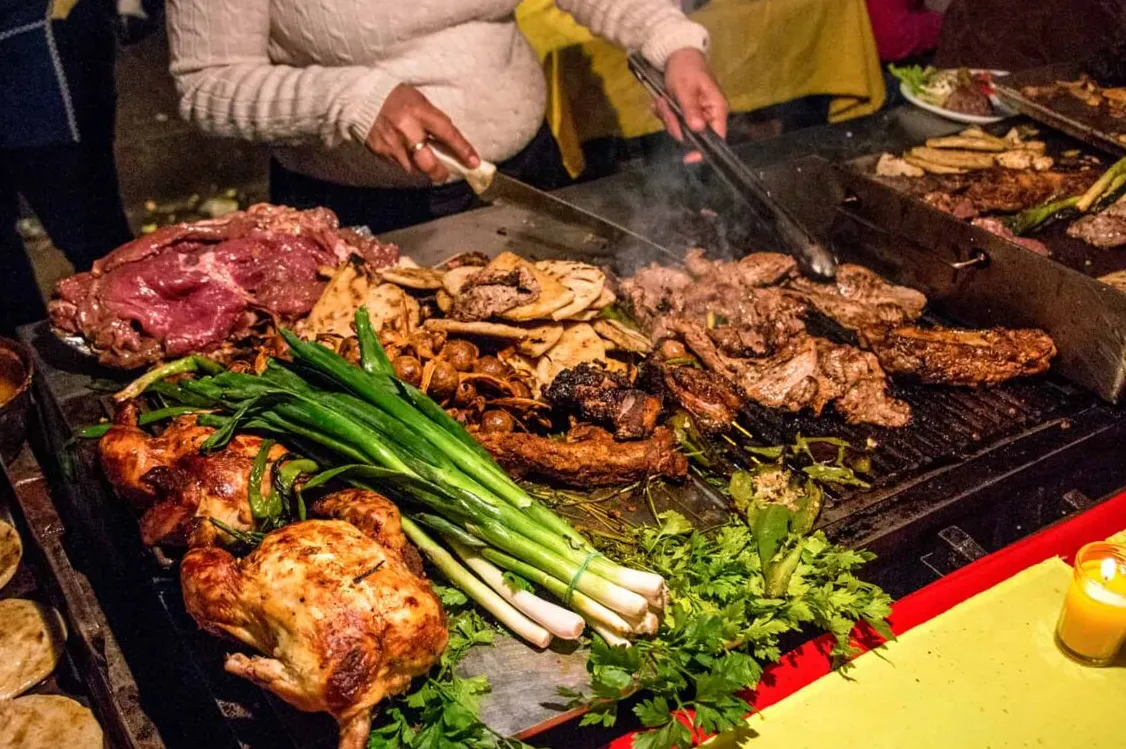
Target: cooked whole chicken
[(343, 620), (175, 486)]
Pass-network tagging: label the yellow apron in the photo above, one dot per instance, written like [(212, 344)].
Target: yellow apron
[(763, 52)]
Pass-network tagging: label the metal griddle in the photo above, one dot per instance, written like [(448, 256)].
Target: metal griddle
[(987, 466), (1063, 111)]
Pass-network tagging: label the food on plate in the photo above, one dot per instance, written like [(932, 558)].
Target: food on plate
[(340, 618), (956, 89), (206, 287), (11, 550), (32, 638), (963, 357), (587, 457), (48, 721)]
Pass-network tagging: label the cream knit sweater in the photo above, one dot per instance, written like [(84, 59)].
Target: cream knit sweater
[(310, 76)]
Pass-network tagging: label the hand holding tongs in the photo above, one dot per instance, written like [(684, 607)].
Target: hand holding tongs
[(795, 238)]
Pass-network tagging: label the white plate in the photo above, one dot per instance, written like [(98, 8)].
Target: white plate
[(969, 119)]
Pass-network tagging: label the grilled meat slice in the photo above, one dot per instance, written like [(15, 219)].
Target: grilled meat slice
[(950, 356), (606, 398), (1106, 228), (704, 286), (490, 292), (342, 621), (996, 226), (809, 373), (969, 99), (589, 457), (712, 400), (859, 299)]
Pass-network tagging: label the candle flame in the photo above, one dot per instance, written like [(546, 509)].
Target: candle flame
[(1107, 569)]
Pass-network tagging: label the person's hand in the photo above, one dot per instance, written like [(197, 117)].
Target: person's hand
[(691, 84), (405, 123)]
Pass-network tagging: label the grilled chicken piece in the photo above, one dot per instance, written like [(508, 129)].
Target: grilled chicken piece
[(860, 299), (343, 621), (589, 457), (951, 356), (606, 398), (177, 488), (376, 516), (712, 400), (128, 453)]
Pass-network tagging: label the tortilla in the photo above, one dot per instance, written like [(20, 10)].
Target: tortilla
[(955, 159), (337, 305), (585, 281), (445, 300), (540, 340), (32, 637), (1117, 279), (487, 329), (893, 166), (552, 296), (423, 279), (970, 143), (11, 549), (579, 343), (623, 337), (453, 280), (930, 166), (48, 721)]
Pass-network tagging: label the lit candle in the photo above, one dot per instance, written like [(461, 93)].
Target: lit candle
[(1092, 625)]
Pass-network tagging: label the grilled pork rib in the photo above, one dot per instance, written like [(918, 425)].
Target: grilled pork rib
[(949, 356)]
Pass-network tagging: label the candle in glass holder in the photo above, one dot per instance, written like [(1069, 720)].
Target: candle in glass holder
[(1092, 625)]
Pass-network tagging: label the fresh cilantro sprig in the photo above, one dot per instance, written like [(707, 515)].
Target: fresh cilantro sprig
[(441, 709), (720, 628)]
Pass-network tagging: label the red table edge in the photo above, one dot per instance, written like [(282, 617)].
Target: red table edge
[(804, 665)]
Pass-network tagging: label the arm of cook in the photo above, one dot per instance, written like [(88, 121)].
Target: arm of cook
[(656, 28), (228, 85)]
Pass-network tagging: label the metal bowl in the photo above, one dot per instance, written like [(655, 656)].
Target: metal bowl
[(15, 367)]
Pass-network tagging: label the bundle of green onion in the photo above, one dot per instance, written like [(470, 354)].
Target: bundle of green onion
[(392, 438)]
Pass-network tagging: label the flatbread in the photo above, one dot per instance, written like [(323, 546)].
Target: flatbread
[(11, 549), (579, 343), (487, 329), (540, 340), (954, 159), (48, 721), (423, 279), (454, 279), (623, 337), (32, 637), (968, 142), (584, 280), (552, 296)]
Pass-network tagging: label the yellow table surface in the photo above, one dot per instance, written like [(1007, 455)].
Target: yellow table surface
[(763, 52), (984, 675)]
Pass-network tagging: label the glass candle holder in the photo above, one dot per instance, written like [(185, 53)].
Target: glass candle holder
[(1092, 625)]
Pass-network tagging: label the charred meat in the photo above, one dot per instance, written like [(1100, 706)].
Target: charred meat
[(712, 401), (588, 457), (950, 356), (1104, 229), (859, 299), (195, 288), (996, 226), (606, 398)]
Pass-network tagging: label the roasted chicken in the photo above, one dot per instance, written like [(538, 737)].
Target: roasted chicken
[(177, 488), (342, 620)]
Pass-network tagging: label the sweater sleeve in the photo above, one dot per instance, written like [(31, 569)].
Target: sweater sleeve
[(656, 28), (228, 86)]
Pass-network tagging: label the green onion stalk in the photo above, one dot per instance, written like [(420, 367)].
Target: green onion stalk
[(394, 439)]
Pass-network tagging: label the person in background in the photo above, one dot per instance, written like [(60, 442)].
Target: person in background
[(904, 28), (57, 102), (1016, 34), (351, 95)]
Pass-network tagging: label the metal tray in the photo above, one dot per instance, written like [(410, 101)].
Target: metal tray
[(1064, 112)]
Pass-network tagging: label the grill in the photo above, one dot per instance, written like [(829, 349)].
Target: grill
[(974, 471)]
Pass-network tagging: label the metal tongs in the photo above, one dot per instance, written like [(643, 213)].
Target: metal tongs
[(795, 239)]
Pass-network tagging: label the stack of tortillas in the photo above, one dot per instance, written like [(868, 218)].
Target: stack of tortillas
[(32, 637)]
